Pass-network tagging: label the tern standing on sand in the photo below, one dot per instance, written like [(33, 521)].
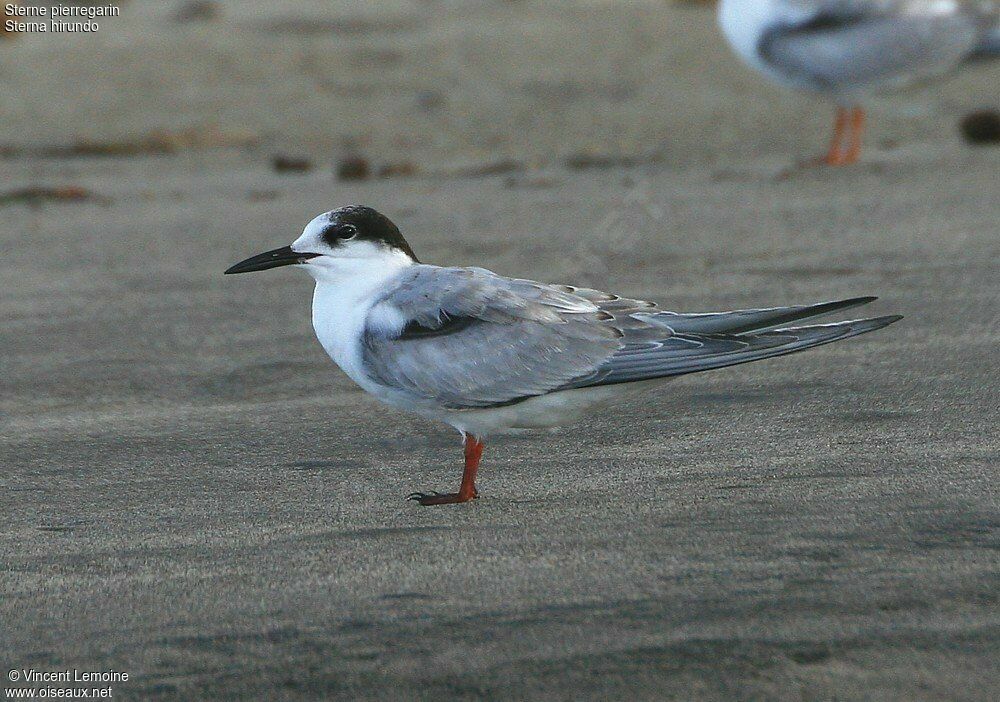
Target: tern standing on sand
[(488, 354), (847, 49)]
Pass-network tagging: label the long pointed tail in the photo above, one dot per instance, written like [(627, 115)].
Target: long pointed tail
[(742, 321), (694, 343)]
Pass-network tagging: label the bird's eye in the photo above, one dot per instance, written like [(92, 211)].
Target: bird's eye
[(337, 233)]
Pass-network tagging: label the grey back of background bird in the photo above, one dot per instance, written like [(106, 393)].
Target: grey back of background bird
[(854, 45)]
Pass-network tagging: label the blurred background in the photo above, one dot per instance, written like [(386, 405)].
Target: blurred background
[(430, 86), (194, 494)]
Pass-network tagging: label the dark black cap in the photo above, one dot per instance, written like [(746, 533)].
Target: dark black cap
[(361, 223)]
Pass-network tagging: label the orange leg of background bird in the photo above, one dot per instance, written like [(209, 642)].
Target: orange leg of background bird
[(845, 147), (855, 131), (835, 154), (467, 491)]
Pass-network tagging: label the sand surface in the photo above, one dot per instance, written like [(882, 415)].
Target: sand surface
[(192, 492)]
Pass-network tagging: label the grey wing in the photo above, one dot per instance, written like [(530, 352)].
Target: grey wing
[(989, 43), (700, 342), (466, 338), (845, 45)]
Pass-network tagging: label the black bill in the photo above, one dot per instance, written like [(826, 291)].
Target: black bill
[(271, 259)]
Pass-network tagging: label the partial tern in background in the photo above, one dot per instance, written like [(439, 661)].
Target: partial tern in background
[(847, 49), (488, 354)]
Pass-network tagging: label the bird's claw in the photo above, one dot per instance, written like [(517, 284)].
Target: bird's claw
[(417, 496), (440, 498)]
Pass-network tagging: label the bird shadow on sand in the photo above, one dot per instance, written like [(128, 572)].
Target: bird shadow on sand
[(331, 465)]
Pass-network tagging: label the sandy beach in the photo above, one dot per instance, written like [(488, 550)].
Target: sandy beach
[(194, 494)]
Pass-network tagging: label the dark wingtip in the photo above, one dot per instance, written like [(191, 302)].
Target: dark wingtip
[(890, 319), (824, 308), (863, 326), (850, 302)]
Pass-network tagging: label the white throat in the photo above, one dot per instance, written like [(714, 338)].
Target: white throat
[(356, 278)]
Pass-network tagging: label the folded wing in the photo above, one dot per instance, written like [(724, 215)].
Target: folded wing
[(467, 338), (691, 352)]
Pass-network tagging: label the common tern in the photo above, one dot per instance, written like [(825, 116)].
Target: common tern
[(489, 354), (848, 49)]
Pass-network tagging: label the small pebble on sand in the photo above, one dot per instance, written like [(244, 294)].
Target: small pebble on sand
[(354, 168)]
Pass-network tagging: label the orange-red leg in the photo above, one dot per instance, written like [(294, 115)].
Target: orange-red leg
[(845, 147), (855, 132), (835, 154), (467, 491)]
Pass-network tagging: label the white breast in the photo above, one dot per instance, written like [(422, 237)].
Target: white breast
[(340, 317), (338, 320), (344, 295)]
